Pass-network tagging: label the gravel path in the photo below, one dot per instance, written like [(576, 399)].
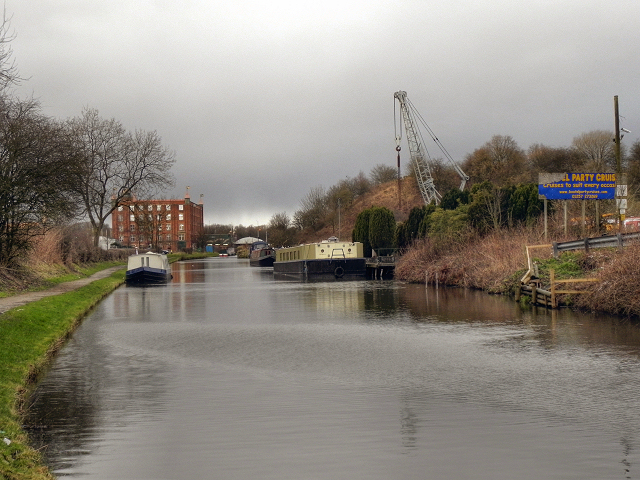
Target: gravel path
[(18, 300)]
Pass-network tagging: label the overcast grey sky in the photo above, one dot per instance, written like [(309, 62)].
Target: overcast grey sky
[(262, 101)]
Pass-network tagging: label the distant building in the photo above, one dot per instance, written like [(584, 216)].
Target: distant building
[(172, 225)]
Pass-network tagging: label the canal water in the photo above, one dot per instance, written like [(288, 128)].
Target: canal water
[(230, 373)]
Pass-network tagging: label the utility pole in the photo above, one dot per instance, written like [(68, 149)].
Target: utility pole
[(621, 187), (617, 124)]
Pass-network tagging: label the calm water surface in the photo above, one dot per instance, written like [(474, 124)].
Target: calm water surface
[(230, 373)]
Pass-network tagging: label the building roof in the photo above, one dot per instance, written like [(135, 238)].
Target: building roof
[(247, 241)]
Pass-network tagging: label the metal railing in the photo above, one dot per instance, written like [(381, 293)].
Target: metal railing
[(619, 240)]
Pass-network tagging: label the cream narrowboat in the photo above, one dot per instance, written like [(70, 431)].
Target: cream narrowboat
[(329, 258)]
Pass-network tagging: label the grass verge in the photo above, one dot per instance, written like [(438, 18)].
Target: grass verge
[(31, 335)]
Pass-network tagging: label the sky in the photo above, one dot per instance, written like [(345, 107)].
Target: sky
[(264, 101)]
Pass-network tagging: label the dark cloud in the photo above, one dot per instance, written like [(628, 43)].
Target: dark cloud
[(264, 101)]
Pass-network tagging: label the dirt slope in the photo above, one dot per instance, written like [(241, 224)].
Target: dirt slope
[(385, 195)]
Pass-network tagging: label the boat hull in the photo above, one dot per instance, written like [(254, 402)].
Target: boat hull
[(266, 261), (348, 267), (147, 275), (262, 256)]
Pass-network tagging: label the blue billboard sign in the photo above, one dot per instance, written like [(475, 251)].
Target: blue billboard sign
[(577, 186)]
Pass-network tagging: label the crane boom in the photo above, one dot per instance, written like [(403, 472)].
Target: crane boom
[(419, 154)]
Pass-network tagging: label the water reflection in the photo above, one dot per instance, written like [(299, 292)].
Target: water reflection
[(230, 369)]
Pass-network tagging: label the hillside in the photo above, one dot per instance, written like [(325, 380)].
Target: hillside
[(385, 195)]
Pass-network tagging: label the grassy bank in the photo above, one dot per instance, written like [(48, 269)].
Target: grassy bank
[(495, 263), (31, 336)]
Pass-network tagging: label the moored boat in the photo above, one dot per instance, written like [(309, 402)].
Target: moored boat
[(330, 258), (262, 255), (148, 268)]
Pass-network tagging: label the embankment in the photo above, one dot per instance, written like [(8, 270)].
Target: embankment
[(496, 263)]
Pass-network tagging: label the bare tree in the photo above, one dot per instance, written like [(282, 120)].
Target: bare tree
[(116, 165), (500, 160), (634, 169), (549, 159), (36, 169), (8, 70), (313, 209), (382, 173), (281, 232), (596, 150)]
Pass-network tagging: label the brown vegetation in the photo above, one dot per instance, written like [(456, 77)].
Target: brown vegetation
[(489, 263), (59, 252), (496, 262), (618, 291)]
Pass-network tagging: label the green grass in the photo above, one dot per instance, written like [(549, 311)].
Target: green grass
[(31, 335), (568, 265), (82, 271)]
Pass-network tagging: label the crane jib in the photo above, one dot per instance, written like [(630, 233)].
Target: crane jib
[(418, 152)]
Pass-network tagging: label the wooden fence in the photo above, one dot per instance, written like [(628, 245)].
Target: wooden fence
[(548, 297)]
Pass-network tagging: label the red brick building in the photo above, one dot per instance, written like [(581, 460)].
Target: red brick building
[(173, 225)]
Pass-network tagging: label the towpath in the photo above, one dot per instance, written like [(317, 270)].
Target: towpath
[(18, 300)]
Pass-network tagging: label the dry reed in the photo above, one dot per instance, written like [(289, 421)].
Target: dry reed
[(618, 291), (488, 263)]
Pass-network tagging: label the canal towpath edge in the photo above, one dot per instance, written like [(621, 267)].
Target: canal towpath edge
[(14, 301)]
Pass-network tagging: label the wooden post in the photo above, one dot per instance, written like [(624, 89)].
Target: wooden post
[(518, 292), (534, 294), (545, 219), (553, 288)]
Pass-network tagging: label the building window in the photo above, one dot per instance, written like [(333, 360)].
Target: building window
[(168, 216), (168, 227), (159, 238), (132, 218), (181, 236), (158, 207), (120, 208), (181, 207), (181, 227), (132, 227), (132, 207), (168, 207), (181, 216), (120, 218), (132, 238), (168, 237), (121, 228)]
